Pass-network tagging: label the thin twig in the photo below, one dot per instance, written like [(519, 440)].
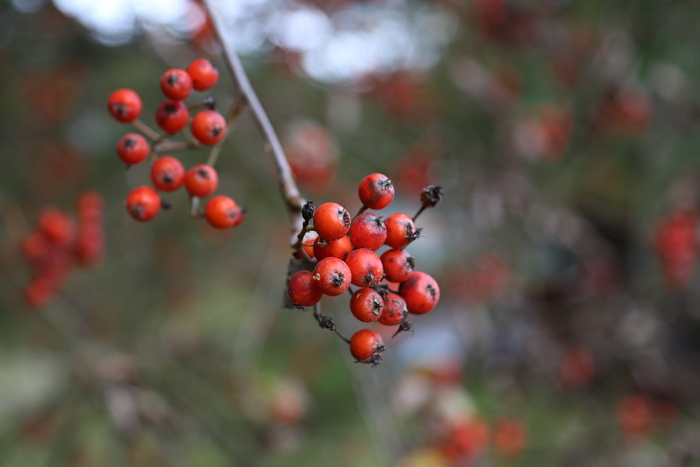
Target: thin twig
[(147, 130)]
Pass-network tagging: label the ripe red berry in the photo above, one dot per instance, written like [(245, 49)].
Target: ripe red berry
[(35, 247), (167, 173), (208, 126), (366, 346), (420, 291), (332, 276), (367, 231), (89, 206), (222, 212), (201, 180), (308, 242), (124, 105), (57, 227), (172, 116), (204, 75), (340, 248), (366, 305), (331, 221), (176, 84), (302, 289), (39, 292), (365, 266), (398, 264), (400, 230), (89, 243), (376, 191), (394, 310), (143, 203), (133, 148)]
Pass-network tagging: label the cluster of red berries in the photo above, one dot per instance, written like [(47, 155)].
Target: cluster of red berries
[(58, 243), (345, 253), (208, 127)]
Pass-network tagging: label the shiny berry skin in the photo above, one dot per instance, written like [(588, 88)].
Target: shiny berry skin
[(340, 248), (167, 173), (124, 105), (331, 221), (365, 266), (133, 148), (204, 75), (366, 305), (176, 84), (366, 346), (302, 289), (208, 127), (400, 230), (222, 212), (332, 276), (201, 180), (394, 310), (376, 191), (420, 291), (172, 116), (398, 264), (143, 203), (367, 231), (57, 227)]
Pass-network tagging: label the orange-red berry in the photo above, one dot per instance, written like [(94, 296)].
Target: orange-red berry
[(394, 310), (201, 180), (172, 116), (331, 221), (143, 203), (420, 291), (204, 75), (398, 264), (340, 248), (208, 127), (222, 212), (133, 148), (367, 231), (376, 191), (332, 276), (400, 230), (124, 105), (176, 84), (302, 289), (366, 305), (167, 173), (56, 226), (365, 266), (366, 346)]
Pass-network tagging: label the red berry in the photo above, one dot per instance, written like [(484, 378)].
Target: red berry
[(57, 227), (302, 289), (367, 231), (420, 291), (176, 84), (332, 276), (201, 180), (124, 105), (331, 221), (143, 203), (400, 230), (133, 148), (204, 75), (89, 243), (89, 206), (366, 305), (366, 346), (308, 243), (376, 191), (222, 212), (398, 264), (39, 292), (167, 173), (340, 248), (208, 126), (35, 246), (172, 116), (365, 266), (394, 310)]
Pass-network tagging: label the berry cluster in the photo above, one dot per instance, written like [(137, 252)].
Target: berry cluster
[(58, 243), (208, 127), (343, 253)]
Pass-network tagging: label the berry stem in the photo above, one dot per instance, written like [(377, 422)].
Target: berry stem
[(194, 206), (361, 210), (147, 130), (327, 323), (422, 208), (214, 154), (169, 146)]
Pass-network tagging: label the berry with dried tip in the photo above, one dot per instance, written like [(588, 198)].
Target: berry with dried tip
[(366, 267), (376, 191), (143, 203), (331, 221), (133, 148), (204, 75), (302, 289), (176, 84), (367, 346), (172, 116), (366, 305), (400, 230), (201, 180), (394, 310), (398, 264), (340, 248), (222, 212), (307, 211), (167, 173), (431, 196), (420, 291), (332, 276), (208, 127), (124, 105), (367, 231)]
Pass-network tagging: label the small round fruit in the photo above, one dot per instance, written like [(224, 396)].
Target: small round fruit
[(400, 230), (172, 116), (204, 75), (366, 305), (167, 173), (201, 180), (124, 105), (208, 127), (332, 276), (365, 266), (367, 346), (376, 191), (90, 206), (394, 310), (143, 203), (222, 212), (302, 289), (331, 221), (56, 226), (420, 291), (398, 264), (176, 84), (133, 148), (307, 243), (367, 231), (340, 248)]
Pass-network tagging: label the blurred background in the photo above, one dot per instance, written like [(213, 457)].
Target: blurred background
[(568, 332)]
